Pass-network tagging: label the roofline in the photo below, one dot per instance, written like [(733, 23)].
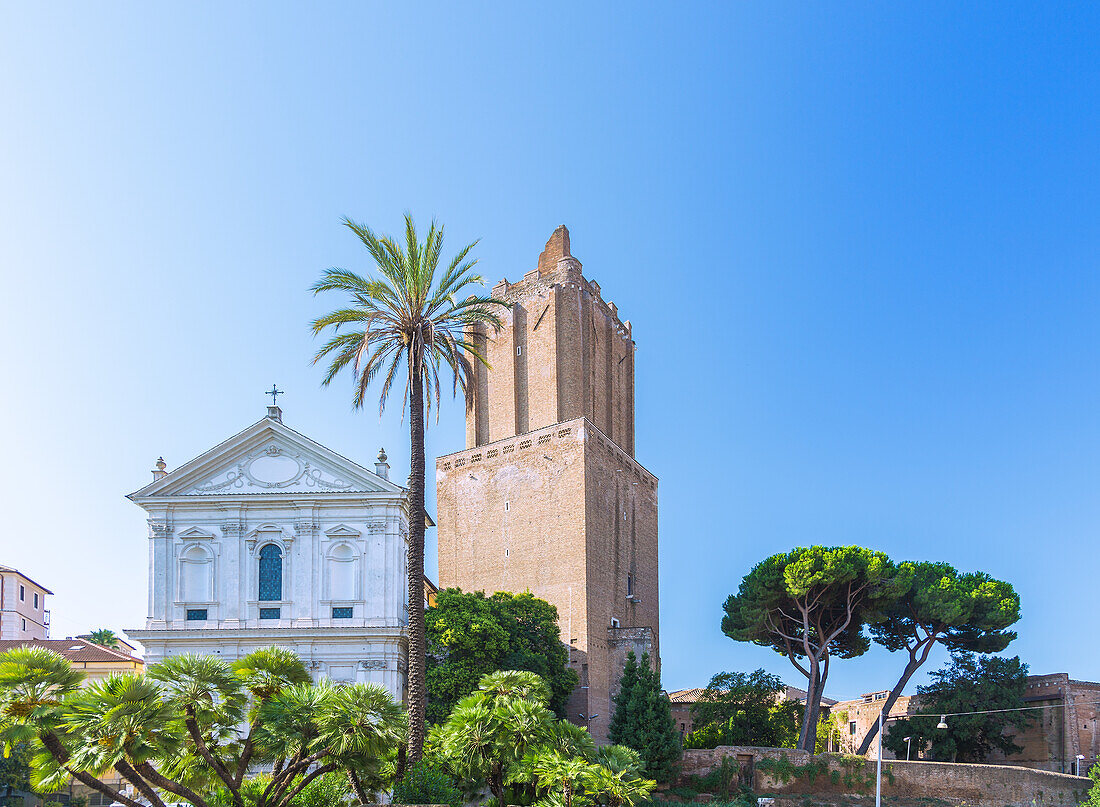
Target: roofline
[(192, 464), (28, 579)]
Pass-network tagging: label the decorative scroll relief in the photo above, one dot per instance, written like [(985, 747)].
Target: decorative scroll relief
[(373, 664), (273, 468)]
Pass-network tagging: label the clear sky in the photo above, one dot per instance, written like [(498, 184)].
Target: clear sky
[(858, 244)]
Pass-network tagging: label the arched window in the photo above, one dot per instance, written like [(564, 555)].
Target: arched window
[(196, 575), (271, 573), (342, 571)]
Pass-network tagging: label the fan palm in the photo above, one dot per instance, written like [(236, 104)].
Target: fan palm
[(105, 637), (407, 317)]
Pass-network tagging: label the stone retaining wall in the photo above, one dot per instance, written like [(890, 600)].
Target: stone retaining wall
[(956, 783)]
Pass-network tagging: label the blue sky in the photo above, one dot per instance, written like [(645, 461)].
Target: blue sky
[(857, 243)]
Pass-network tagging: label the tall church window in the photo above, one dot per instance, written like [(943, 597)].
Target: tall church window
[(271, 573)]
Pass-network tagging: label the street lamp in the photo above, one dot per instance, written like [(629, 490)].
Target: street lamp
[(1077, 763), (942, 725), (908, 746)]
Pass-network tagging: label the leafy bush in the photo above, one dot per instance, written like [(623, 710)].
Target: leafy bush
[(424, 784)]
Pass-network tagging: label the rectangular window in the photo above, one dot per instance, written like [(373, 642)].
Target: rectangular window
[(196, 614), (22, 593), (269, 613), (852, 728), (342, 612), (24, 624), (630, 585), (36, 599)]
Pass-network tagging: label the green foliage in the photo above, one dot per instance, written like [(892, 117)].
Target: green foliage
[(426, 784), (469, 635), (15, 767), (504, 736), (643, 720), (105, 637), (744, 709), (813, 602), (968, 683), (829, 731), (1093, 799), (851, 771), (178, 728), (963, 612)]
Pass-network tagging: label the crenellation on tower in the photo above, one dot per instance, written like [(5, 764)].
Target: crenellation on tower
[(547, 497), (563, 353)]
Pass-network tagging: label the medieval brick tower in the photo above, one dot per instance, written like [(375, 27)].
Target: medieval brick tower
[(547, 496)]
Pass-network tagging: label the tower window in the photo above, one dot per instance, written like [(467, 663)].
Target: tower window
[(22, 593), (519, 350), (271, 575), (630, 585), (36, 599), (614, 622)]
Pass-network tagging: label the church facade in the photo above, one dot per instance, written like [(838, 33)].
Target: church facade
[(547, 496), (272, 539)]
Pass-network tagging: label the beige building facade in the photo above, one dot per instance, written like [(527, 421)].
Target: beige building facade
[(23, 612), (547, 497)]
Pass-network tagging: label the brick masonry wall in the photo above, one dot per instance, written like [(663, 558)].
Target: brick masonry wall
[(565, 514), (957, 783)]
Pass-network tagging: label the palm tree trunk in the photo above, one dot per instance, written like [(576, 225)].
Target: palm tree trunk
[(418, 695)]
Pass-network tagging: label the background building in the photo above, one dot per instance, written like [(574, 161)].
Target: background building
[(1068, 726), (272, 539), (547, 497), (682, 700), (94, 660), (23, 612)]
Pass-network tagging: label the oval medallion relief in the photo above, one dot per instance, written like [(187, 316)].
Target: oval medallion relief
[(274, 470)]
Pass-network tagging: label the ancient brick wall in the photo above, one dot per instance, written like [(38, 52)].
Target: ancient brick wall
[(957, 783)]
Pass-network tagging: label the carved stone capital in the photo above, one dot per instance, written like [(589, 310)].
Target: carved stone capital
[(158, 529), (373, 664)]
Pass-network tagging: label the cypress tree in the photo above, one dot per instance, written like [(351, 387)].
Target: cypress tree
[(643, 719)]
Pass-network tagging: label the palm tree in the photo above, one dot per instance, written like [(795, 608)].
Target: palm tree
[(406, 317), (105, 637)]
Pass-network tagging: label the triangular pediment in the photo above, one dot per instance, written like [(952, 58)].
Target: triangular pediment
[(196, 533), (267, 458)]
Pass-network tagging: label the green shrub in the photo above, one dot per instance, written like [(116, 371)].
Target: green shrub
[(424, 784)]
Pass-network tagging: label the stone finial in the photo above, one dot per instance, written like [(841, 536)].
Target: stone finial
[(382, 467), (160, 472), (556, 249), (275, 413)]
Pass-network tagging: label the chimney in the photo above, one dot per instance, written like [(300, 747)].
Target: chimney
[(275, 413), (160, 473), (381, 467)]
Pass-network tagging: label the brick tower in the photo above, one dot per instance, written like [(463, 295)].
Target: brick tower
[(547, 496)]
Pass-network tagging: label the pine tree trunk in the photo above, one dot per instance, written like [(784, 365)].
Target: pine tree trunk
[(910, 668), (417, 692), (811, 688)]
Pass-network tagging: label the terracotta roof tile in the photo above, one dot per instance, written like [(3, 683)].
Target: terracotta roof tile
[(74, 650)]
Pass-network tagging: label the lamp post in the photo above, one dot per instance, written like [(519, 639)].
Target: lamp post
[(908, 747), (1077, 763)]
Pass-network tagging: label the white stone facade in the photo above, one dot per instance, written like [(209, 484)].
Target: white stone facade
[(272, 539)]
